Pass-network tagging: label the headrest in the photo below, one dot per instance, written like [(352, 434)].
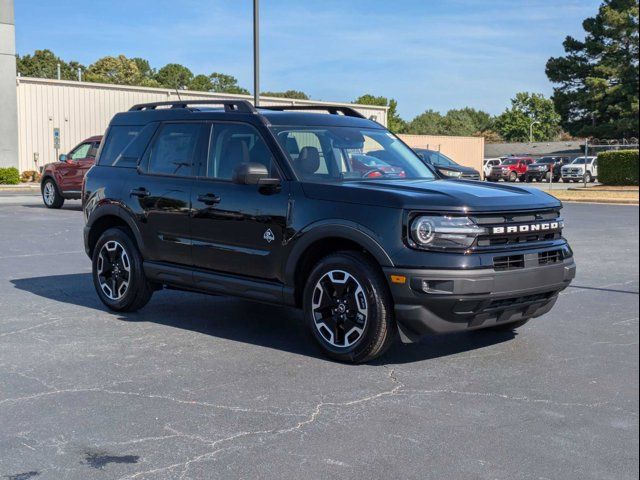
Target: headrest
[(309, 160), (236, 150)]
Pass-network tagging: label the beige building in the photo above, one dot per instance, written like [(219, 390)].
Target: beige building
[(467, 151), (73, 111)]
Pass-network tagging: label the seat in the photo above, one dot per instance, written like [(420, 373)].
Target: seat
[(234, 153), (308, 161)]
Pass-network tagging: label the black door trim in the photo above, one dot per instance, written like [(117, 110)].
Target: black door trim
[(216, 283)]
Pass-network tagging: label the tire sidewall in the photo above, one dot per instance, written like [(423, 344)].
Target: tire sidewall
[(55, 203), (137, 273), (373, 296)]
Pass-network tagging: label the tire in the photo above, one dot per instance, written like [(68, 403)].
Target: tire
[(513, 176), (528, 179), (51, 195), (138, 290), (507, 327), (588, 178), (350, 289)]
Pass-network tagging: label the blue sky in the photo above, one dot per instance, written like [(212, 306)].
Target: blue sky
[(426, 54)]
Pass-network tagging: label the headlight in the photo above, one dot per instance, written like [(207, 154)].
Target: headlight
[(444, 232), (451, 173)]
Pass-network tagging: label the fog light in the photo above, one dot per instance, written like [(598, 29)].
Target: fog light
[(442, 287)]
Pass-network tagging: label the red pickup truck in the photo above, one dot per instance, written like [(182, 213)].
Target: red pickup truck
[(62, 180), (511, 169)]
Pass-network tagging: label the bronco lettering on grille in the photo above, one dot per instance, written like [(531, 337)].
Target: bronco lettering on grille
[(535, 227)]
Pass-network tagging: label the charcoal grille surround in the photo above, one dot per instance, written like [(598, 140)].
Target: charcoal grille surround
[(520, 239)]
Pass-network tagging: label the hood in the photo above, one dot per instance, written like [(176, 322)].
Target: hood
[(457, 168), (434, 195)]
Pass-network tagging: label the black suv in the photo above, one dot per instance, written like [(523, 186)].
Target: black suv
[(266, 204), (546, 168)]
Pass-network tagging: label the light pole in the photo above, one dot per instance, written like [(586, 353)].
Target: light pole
[(256, 52), (531, 130)]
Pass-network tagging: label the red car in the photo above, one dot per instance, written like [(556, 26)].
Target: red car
[(511, 169), (62, 180)]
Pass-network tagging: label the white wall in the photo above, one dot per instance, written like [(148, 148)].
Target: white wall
[(81, 110)]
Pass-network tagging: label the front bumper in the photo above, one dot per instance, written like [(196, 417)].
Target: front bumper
[(573, 175), (472, 299), (502, 174)]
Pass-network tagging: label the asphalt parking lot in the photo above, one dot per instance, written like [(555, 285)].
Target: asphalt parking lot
[(207, 387)]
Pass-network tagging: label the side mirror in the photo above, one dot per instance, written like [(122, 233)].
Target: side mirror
[(253, 174), (63, 157)]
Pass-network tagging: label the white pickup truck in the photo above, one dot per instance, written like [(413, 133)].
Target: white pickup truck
[(581, 169)]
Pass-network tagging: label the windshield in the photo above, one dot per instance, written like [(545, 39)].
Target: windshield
[(333, 154), (437, 158), (511, 161), (546, 160)]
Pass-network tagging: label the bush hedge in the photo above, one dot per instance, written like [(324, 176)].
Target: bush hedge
[(619, 167), (9, 176)]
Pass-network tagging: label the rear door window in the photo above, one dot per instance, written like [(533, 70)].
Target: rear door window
[(175, 149)]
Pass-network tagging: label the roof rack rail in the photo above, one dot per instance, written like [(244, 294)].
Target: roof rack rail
[(332, 109), (239, 106)]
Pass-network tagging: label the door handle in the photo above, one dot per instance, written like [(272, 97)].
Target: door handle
[(209, 199), (140, 192)]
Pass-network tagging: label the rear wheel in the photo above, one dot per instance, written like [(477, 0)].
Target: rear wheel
[(51, 195), (348, 308), (118, 275)]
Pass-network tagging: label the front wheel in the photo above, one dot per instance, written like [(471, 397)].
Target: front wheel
[(348, 307), (51, 195), (588, 178), (513, 176), (118, 275)]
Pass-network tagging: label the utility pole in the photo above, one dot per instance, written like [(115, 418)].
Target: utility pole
[(256, 52)]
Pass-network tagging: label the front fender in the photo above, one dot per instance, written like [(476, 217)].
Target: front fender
[(333, 229)]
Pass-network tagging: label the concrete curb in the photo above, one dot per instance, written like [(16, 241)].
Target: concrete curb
[(21, 188), (603, 201)]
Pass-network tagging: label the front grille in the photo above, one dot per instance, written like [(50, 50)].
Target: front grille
[(511, 262), (550, 257), (516, 219)]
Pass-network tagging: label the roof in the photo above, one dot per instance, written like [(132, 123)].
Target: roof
[(492, 150), (307, 115)]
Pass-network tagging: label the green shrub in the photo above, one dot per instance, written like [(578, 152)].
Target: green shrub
[(619, 167), (9, 176)]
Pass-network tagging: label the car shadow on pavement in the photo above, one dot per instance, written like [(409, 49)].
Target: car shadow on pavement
[(72, 207), (271, 326)]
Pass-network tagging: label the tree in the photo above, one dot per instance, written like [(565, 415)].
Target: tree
[(174, 75), (201, 83), (513, 125), (119, 70), (144, 67), (394, 122), (293, 94), (44, 64), (427, 123), (226, 84), (598, 78)]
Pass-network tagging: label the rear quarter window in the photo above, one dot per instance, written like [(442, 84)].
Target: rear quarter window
[(124, 145)]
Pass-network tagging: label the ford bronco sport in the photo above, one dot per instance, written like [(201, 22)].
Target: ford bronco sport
[(265, 204)]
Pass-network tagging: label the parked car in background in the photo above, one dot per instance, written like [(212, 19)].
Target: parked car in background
[(511, 169), (446, 166), (372, 167), (489, 163), (546, 168), (62, 180), (581, 169)]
